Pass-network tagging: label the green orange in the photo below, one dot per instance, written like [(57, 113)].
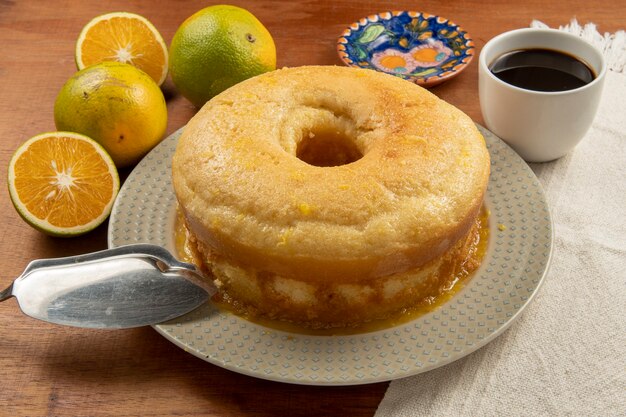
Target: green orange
[(117, 105), (216, 48)]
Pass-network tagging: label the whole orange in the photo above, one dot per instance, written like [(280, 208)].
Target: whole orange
[(216, 48), (117, 105)]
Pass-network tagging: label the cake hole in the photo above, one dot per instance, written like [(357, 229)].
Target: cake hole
[(327, 148)]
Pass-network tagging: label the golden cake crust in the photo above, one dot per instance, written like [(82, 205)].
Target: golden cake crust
[(245, 194)]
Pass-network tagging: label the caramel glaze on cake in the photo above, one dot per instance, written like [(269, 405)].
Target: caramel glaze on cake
[(330, 196)]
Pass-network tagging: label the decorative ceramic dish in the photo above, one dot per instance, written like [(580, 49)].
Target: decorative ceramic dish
[(416, 46), (515, 262)]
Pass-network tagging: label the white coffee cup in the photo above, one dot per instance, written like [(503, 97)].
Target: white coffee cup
[(540, 126)]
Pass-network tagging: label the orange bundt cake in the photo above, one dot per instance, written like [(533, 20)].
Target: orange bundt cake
[(330, 196)]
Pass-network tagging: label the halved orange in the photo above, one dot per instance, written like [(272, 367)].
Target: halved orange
[(62, 183), (124, 37)]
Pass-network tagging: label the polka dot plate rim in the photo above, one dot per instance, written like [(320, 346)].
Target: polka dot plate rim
[(419, 47), (514, 267)]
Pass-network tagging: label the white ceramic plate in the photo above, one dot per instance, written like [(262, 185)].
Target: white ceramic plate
[(515, 263)]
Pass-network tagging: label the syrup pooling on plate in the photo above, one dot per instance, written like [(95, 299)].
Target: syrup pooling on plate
[(452, 286)]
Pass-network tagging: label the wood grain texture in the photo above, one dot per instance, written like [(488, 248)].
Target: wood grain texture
[(49, 370)]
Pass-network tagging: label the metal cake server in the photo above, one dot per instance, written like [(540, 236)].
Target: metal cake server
[(128, 286)]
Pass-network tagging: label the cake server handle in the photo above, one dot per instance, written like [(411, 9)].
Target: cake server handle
[(6, 293)]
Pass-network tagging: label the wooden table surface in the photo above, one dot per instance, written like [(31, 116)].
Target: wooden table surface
[(48, 370)]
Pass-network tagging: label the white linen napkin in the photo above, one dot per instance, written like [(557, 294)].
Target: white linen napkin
[(566, 354)]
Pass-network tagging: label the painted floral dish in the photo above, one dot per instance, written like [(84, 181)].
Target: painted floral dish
[(418, 47)]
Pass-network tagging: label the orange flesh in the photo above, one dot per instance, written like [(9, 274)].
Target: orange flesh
[(104, 41), (63, 181)]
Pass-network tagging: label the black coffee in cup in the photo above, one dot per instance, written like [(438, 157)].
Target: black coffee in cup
[(542, 70)]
